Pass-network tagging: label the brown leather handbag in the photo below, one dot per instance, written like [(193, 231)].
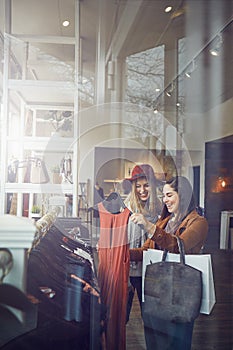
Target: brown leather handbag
[(172, 290)]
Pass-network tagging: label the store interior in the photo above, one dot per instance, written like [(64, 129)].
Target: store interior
[(91, 88)]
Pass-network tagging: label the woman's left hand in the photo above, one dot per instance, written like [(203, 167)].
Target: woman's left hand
[(139, 219)]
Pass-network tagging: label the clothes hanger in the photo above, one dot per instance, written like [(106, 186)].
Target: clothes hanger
[(114, 203)]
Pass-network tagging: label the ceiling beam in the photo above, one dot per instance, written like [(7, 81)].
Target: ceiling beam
[(14, 84), (45, 39), (127, 19)]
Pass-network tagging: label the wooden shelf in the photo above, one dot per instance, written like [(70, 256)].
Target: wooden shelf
[(50, 144), (38, 188), (113, 181)]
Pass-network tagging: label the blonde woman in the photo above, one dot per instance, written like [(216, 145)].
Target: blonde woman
[(142, 199)]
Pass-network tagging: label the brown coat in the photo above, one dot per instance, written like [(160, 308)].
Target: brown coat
[(193, 231)]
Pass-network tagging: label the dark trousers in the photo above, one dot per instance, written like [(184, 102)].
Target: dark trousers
[(165, 335), (136, 284)]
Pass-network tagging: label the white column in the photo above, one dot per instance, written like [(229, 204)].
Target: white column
[(17, 234), (225, 229), (100, 55), (76, 147)]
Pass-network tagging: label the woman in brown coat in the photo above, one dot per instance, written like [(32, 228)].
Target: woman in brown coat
[(179, 218)]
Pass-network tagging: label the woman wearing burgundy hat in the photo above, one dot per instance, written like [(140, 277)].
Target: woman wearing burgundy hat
[(142, 199)]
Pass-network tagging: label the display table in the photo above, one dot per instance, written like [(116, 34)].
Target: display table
[(17, 234), (225, 228)]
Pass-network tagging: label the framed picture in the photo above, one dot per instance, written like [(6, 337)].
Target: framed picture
[(129, 167)]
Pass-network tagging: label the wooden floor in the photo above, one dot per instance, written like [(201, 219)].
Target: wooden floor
[(211, 332), (134, 329)]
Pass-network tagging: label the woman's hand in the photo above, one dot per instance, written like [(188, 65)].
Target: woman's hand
[(141, 220)]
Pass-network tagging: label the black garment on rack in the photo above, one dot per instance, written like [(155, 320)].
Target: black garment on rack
[(10, 325), (62, 276), (72, 227)]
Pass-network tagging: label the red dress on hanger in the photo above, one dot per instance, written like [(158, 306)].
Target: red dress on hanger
[(113, 273)]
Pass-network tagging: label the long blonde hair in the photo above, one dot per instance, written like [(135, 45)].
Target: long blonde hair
[(152, 207)]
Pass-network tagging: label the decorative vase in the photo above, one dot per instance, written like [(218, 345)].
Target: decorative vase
[(57, 178)]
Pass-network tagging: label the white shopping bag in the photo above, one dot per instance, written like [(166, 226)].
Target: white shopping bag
[(201, 262)]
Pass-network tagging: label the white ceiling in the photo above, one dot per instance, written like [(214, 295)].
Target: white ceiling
[(150, 26), (126, 27)]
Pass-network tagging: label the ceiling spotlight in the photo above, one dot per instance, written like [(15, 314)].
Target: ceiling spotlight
[(215, 51), (168, 9), (216, 47), (157, 89), (190, 70), (65, 23), (169, 90)]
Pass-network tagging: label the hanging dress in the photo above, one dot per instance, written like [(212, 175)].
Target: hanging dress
[(113, 273)]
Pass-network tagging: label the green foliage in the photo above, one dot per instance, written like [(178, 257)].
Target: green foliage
[(35, 209)]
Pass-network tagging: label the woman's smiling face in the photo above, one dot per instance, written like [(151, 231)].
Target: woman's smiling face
[(171, 199), (143, 189)]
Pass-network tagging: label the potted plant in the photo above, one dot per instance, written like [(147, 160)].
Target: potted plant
[(35, 211)]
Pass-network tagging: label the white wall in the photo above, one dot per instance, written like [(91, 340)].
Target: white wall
[(115, 125)]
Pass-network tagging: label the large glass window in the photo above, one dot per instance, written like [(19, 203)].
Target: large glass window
[(145, 76)]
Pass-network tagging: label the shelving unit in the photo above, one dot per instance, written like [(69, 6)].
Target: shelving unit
[(27, 128), (20, 148), (51, 151)]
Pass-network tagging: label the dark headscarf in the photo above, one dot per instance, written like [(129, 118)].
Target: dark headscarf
[(182, 186)]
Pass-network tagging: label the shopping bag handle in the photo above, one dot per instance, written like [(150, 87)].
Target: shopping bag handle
[(181, 250)]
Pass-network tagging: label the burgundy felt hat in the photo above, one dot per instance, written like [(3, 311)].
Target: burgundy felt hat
[(143, 170)]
